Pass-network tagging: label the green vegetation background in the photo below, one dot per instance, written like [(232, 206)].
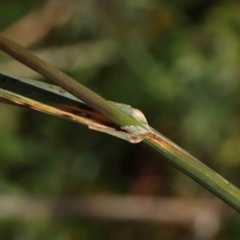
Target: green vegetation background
[(177, 61)]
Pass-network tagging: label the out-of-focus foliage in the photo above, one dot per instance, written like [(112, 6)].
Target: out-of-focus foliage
[(177, 61)]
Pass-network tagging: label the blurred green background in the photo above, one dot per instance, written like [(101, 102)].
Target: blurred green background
[(178, 62)]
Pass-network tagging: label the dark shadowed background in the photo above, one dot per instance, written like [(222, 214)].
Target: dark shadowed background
[(177, 61)]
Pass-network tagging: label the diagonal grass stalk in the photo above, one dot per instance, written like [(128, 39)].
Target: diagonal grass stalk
[(139, 131)]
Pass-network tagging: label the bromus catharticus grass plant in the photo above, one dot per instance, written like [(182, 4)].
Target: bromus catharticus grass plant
[(73, 101)]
